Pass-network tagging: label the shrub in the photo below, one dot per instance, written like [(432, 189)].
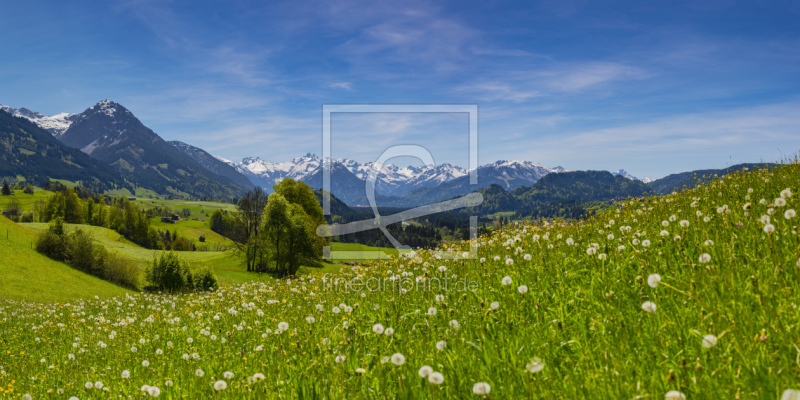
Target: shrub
[(121, 270), (204, 279), (170, 273), (27, 217), (53, 242), (82, 255), (28, 189)]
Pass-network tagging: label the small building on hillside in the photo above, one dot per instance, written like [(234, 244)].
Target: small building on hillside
[(167, 220), (176, 217), (10, 211)]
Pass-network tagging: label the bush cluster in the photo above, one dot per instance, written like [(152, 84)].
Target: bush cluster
[(171, 273), (79, 251)]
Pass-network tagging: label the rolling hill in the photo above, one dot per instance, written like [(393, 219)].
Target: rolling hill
[(28, 275)]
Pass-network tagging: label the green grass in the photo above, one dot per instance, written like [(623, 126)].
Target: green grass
[(574, 298), (227, 265), (26, 201), (28, 275)]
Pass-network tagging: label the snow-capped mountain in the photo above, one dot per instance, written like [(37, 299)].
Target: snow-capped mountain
[(55, 124), (394, 180), (626, 174)]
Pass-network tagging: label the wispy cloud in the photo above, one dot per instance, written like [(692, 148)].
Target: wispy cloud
[(342, 85)]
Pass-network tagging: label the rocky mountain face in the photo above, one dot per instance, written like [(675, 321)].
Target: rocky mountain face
[(110, 133), (212, 164)]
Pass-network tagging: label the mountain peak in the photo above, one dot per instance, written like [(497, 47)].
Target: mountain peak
[(110, 108)]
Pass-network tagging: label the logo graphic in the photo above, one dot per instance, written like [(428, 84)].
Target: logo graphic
[(381, 222)]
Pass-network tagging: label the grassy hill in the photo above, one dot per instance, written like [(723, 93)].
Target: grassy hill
[(28, 275), (694, 293)]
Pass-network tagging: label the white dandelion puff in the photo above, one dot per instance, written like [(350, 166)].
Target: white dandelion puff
[(535, 365), (709, 341), (674, 395), (398, 359), (481, 388), (436, 378), (653, 280), (425, 371), (649, 306)]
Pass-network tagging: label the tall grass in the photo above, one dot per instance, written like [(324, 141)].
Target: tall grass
[(551, 311)]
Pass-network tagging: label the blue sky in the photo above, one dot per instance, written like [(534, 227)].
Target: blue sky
[(652, 87)]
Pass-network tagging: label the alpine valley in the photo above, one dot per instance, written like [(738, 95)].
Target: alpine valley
[(80, 147)]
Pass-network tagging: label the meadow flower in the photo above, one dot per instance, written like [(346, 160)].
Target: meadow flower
[(481, 388), (435, 378), (377, 328), (424, 371), (534, 366), (780, 202), (454, 324), (258, 377), (220, 385), (646, 243), (664, 233), (709, 341), (789, 214), (439, 298), (228, 375), (389, 332), (664, 224), (649, 306), (591, 251), (769, 228), (495, 305), (88, 385), (704, 258), (653, 280), (340, 358), (361, 371), (602, 256), (709, 242), (145, 388), (509, 261), (522, 289), (126, 374), (153, 391), (674, 395), (398, 359), (684, 223), (199, 373), (145, 363), (441, 345), (506, 281), (283, 326), (432, 311), (786, 193), (526, 257)]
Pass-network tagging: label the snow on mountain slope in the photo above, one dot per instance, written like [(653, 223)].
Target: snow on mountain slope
[(625, 174), (55, 124), (392, 180)]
